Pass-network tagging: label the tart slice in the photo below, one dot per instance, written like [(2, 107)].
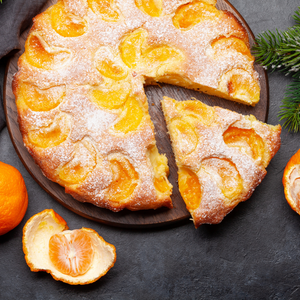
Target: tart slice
[(221, 156)]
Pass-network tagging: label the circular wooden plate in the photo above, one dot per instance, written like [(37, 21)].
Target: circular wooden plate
[(127, 218)]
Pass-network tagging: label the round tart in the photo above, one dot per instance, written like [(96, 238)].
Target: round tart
[(83, 113)]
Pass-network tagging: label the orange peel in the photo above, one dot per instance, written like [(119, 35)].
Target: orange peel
[(75, 257), (291, 182)]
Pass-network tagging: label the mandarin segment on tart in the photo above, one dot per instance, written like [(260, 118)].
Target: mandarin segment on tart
[(77, 256), (80, 96), (221, 156), (291, 182)]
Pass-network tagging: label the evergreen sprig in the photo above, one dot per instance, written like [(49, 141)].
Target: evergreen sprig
[(280, 50), (290, 108)]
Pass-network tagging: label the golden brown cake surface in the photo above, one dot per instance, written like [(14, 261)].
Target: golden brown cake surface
[(221, 156), (79, 90)]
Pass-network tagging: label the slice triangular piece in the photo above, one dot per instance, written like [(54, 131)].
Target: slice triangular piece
[(221, 156)]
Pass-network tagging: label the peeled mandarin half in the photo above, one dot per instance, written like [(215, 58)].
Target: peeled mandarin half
[(78, 256), (291, 182)]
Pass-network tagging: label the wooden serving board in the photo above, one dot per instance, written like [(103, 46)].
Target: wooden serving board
[(154, 93)]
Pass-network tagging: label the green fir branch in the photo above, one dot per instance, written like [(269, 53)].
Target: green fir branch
[(296, 16), (280, 51), (290, 108), (266, 49)]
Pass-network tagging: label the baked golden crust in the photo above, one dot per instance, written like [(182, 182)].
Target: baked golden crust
[(83, 113), (221, 156)]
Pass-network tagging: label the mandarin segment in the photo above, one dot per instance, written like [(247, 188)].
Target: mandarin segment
[(190, 188), (65, 23), (109, 65), (153, 8), (111, 70), (161, 184), (105, 9), (189, 15), (227, 177), (42, 100), (52, 135), (185, 136), (245, 139), (83, 163), (131, 47), (38, 56), (162, 57), (240, 84), (197, 109), (71, 253), (112, 98), (131, 117), (125, 179), (223, 45)]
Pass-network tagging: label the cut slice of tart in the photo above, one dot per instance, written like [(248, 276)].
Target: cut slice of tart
[(221, 156)]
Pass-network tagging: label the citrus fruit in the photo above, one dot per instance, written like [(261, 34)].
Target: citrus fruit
[(13, 198), (291, 182), (77, 256)]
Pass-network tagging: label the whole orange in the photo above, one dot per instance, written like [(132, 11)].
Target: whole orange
[(13, 198)]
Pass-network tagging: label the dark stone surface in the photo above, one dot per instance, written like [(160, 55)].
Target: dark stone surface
[(253, 254)]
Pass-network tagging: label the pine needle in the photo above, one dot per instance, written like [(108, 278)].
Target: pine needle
[(280, 51), (296, 16), (290, 108)]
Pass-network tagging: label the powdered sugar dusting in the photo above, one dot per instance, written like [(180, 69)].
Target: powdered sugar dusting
[(91, 127), (213, 208)]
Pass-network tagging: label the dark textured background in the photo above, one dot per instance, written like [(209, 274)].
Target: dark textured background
[(253, 254)]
